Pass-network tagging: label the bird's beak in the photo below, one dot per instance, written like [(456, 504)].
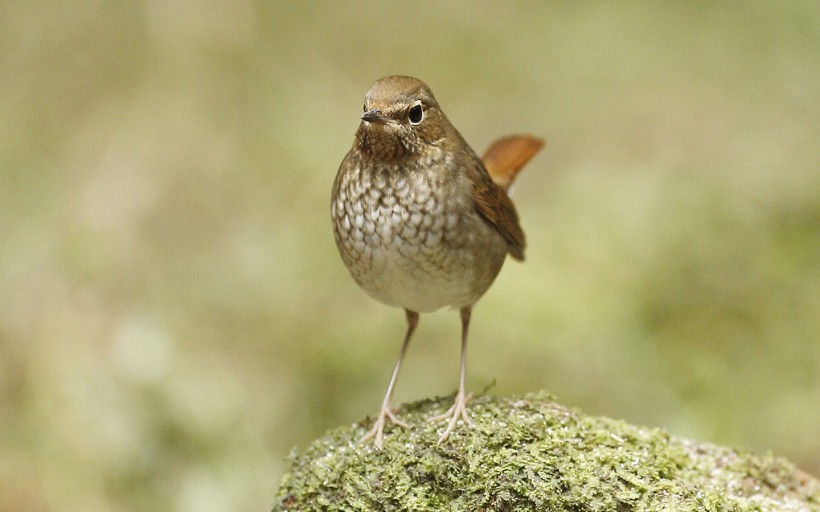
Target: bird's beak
[(374, 116)]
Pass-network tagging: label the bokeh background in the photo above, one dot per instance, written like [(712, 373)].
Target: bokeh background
[(174, 317)]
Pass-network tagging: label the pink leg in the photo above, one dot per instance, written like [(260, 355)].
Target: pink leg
[(459, 408), (387, 413)]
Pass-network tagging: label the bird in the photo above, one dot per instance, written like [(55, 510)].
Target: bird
[(420, 221)]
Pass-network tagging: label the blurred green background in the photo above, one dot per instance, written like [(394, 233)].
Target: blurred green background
[(174, 316)]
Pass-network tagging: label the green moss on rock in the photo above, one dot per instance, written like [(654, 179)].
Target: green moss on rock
[(531, 453)]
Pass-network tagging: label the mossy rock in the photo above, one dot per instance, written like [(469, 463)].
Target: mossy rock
[(531, 453)]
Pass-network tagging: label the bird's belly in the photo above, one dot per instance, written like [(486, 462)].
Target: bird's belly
[(417, 260), (402, 277)]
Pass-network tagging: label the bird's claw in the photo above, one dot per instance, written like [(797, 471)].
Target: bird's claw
[(456, 411), (377, 432)]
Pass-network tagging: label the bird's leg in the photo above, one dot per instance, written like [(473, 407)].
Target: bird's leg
[(459, 408), (386, 413)]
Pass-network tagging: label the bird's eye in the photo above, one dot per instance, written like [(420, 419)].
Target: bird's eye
[(364, 108), (416, 114)]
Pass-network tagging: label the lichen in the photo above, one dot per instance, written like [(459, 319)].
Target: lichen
[(531, 453)]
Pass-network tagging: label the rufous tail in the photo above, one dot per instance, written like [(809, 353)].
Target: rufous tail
[(506, 156)]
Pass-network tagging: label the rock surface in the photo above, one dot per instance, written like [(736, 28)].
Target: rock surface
[(531, 453)]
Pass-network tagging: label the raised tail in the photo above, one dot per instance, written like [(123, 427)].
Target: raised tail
[(506, 156)]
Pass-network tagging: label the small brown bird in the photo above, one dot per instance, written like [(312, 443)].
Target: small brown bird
[(419, 220)]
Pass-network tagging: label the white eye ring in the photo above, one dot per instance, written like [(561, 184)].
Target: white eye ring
[(416, 114)]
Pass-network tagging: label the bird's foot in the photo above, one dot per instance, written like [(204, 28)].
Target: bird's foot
[(458, 410), (387, 414)]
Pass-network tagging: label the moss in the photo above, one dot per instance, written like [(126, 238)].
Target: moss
[(531, 453)]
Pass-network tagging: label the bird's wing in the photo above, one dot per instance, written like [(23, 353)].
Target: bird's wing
[(493, 204)]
